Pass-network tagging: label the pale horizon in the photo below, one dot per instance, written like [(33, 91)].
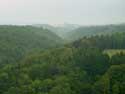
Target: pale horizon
[(54, 12)]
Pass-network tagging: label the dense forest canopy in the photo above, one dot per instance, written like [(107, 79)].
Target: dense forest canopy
[(15, 41), (34, 60), (113, 41)]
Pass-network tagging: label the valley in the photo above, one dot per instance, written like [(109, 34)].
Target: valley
[(84, 60)]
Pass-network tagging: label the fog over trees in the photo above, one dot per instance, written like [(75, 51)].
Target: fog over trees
[(62, 47)]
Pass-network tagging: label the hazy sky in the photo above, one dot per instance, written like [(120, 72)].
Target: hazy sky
[(62, 11)]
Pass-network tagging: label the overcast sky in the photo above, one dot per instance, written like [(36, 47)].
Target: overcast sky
[(85, 12)]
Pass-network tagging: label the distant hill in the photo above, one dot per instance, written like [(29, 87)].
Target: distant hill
[(15, 41), (113, 41), (61, 30), (94, 30)]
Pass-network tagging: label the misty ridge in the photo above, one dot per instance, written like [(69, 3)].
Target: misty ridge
[(41, 54)]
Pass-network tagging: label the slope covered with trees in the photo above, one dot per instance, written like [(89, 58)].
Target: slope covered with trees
[(61, 30), (64, 71), (114, 41), (88, 31), (81, 67), (15, 41)]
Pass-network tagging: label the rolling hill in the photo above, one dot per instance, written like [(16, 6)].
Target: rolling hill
[(15, 41), (61, 30), (94, 30), (80, 67)]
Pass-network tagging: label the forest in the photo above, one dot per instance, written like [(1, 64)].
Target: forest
[(36, 60)]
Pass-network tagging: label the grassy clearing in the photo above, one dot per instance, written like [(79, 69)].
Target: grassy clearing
[(112, 52)]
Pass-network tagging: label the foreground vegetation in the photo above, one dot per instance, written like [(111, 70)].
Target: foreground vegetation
[(80, 67), (65, 71)]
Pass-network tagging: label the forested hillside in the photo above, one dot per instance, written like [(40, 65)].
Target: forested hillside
[(61, 30), (89, 31), (36, 62), (15, 41), (62, 46), (65, 71), (113, 41)]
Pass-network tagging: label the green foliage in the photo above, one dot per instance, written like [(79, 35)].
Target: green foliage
[(87, 31), (82, 67), (112, 52), (118, 59), (16, 41), (114, 41), (92, 60), (56, 71), (112, 82)]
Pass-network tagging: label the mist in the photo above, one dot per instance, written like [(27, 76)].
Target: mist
[(83, 12)]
